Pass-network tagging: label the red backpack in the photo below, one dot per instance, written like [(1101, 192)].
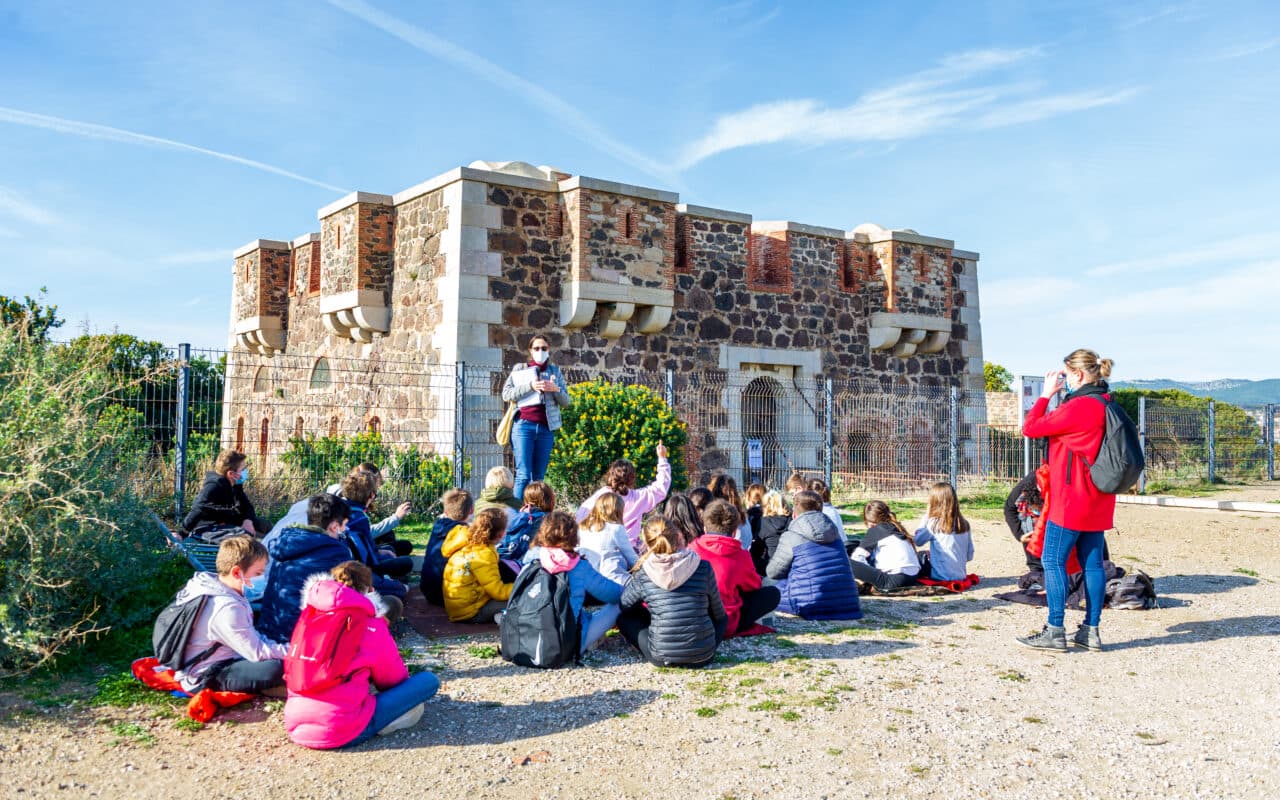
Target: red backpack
[(323, 645)]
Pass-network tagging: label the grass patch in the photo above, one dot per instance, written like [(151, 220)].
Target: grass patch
[(122, 690), (976, 627), (748, 682), (705, 711), (789, 644), (789, 716), (1145, 735), (834, 751), (188, 725), (132, 732), (667, 696), (891, 728), (919, 771), (765, 705), (622, 715), (1033, 720), (482, 651), (1012, 675), (1252, 573)]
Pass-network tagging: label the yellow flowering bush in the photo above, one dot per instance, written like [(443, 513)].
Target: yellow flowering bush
[(609, 421)]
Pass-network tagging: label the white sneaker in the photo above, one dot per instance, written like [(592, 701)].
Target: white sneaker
[(406, 720)]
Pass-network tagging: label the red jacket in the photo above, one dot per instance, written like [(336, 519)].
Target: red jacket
[(1075, 432), (735, 573), (1035, 545)]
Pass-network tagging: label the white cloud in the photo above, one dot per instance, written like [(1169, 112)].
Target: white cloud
[(577, 122), (90, 130), (1237, 249), (1025, 296), (1177, 12), (918, 105), (1244, 50), (17, 207), (1241, 293)]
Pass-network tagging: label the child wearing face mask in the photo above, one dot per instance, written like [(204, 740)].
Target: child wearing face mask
[(222, 505), (224, 652)]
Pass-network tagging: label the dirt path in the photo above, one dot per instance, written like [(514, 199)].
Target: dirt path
[(926, 696)]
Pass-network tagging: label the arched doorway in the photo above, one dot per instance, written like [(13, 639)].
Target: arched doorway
[(760, 423)]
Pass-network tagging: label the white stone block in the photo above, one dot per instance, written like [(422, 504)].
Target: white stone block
[(480, 356), (967, 283), (474, 238), (975, 366), (969, 316), (472, 287), (473, 334), (481, 215), (970, 349), (481, 262), (474, 192)]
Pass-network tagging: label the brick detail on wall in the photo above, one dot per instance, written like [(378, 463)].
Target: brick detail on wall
[(769, 268), (684, 245)]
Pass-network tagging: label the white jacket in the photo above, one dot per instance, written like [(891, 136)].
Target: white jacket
[(226, 619)]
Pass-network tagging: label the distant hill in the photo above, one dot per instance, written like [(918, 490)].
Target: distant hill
[(1227, 390)]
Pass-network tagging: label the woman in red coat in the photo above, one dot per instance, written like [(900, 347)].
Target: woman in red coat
[(1079, 514)]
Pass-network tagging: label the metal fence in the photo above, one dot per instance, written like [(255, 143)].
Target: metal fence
[(304, 421)]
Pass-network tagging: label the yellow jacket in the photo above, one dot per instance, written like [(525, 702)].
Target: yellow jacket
[(471, 576)]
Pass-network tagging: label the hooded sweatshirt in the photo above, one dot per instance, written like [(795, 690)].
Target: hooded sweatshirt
[(432, 580), (335, 716), (227, 621), (220, 502), (813, 571), (296, 554), (734, 570), (635, 503), (684, 604), (497, 497), (583, 578)]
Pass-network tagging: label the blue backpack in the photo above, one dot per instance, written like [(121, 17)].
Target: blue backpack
[(524, 526)]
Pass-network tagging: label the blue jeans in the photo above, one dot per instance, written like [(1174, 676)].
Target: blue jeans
[(531, 442), (1058, 544), (595, 624), (396, 702)]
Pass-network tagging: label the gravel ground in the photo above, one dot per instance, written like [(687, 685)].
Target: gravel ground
[(928, 696)]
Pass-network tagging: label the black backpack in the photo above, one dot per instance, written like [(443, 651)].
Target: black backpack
[(1134, 591), (539, 628), (1120, 459), (173, 630)]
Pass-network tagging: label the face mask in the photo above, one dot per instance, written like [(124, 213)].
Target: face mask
[(244, 476), (541, 356), (256, 587)]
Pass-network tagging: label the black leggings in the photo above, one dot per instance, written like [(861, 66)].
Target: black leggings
[(634, 624), (242, 675), (756, 604), (883, 581), (397, 567)]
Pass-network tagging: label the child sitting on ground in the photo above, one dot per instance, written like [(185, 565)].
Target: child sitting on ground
[(299, 552), (724, 487), (556, 548), (796, 483), (811, 566), (886, 557), (603, 541), (774, 520), (820, 488), (752, 498), (684, 513), (384, 532), (349, 712), (498, 483), (360, 489), (744, 599), (223, 651), (946, 528), (539, 500), (620, 478), (672, 611), (458, 507), (473, 588)]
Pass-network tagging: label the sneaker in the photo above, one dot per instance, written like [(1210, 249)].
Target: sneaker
[(1035, 587), (1087, 637), (406, 720), (1052, 637)]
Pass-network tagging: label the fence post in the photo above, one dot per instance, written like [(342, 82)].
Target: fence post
[(459, 423), (828, 443), (953, 437), (181, 422), (1271, 442), (1213, 435), (669, 389), (1142, 437)]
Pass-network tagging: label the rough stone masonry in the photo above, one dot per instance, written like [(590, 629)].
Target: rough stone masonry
[(623, 279)]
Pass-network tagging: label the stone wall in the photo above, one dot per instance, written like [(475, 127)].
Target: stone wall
[(1003, 410)]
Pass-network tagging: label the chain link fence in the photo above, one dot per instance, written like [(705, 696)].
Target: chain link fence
[(305, 421)]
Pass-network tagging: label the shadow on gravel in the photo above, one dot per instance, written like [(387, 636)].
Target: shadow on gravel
[(455, 722), (1206, 631), (1202, 584)]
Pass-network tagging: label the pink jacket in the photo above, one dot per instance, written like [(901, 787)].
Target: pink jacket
[(336, 716), (635, 503)]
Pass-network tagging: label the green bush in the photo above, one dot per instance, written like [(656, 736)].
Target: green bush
[(610, 421), (75, 544), (412, 474)]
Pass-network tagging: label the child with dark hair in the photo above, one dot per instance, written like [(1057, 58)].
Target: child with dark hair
[(744, 599), (685, 515), (556, 548), (724, 487), (360, 488), (539, 500), (886, 557), (458, 507), (700, 496), (620, 478)]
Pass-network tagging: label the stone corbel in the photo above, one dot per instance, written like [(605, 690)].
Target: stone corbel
[(356, 315), (261, 335), (620, 303), (909, 334)]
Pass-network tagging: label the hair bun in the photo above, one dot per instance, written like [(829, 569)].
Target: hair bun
[(1104, 367)]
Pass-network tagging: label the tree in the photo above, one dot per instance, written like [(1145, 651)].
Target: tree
[(997, 377), (36, 317)]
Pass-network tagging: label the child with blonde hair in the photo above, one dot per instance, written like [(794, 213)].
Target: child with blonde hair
[(497, 492), (774, 519), (603, 541), (946, 530), (474, 591), (672, 612), (886, 557)]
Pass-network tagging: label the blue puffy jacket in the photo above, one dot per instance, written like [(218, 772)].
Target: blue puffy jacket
[(813, 572), (520, 532), (364, 550), (432, 582), (297, 553)]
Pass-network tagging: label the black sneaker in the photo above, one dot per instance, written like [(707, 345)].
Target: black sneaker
[(1087, 637), (1052, 638)]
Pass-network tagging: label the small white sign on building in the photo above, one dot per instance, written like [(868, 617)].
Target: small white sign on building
[(755, 454)]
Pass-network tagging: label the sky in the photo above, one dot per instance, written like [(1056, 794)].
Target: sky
[(1114, 163)]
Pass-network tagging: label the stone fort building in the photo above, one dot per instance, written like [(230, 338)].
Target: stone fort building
[(352, 327)]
